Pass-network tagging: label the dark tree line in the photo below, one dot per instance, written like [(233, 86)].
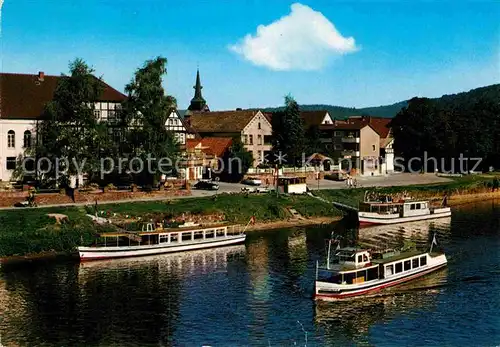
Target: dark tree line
[(463, 125)]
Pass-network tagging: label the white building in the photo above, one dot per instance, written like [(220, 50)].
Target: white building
[(176, 124), (22, 100)]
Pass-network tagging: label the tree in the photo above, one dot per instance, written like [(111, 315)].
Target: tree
[(236, 161), (312, 139), (70, 132), (145, 112), (288, 133)]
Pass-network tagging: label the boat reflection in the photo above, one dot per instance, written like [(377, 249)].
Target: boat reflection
[(384, 236), (201, 261), (354, 317)]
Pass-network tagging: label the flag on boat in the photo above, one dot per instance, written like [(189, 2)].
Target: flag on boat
[(434, 242)]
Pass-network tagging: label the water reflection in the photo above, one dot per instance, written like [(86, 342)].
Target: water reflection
[(421, 232)]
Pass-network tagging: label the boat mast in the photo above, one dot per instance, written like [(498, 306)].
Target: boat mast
[(329, 247)]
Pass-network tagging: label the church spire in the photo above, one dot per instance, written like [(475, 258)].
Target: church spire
[(197, 102)]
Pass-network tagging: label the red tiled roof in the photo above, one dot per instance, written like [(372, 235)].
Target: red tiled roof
[(380, 125), (217, 145), (23, 96), (221, 121)]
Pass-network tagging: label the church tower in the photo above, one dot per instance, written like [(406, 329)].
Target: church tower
[(197, 102)]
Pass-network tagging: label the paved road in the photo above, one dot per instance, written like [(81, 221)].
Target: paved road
[(400, 179)]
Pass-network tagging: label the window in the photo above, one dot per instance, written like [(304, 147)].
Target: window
[(399, 267), (11, 139), (220, 232), (11, 163), (412, 206), (251, 140), (258, 125), (407, 265), (337, 147), (198, 235), (27, 139), (389, 270), (414, 263), (365, 258), (423, 261), (259, 139), (186, 236), (170, 121), (163, 238), (111, 116), (360, 258), (245, 139), (373, 147), (97, 114), (337, 133)]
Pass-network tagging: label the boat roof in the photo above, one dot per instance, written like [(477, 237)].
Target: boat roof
[(398, 202), (400, 256), (352, 249), (166, 230)]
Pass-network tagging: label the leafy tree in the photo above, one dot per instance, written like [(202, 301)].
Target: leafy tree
[(69, 129), (288, 132), (236, 161), (312, 138), (145, 112)]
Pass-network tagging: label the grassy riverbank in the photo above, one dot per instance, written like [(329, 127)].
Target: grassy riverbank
[(32, 231), (460, 188)]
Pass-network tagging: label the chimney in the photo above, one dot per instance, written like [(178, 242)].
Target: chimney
[(41, 76)]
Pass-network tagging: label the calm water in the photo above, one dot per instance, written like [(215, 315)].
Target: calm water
[(260, 294)]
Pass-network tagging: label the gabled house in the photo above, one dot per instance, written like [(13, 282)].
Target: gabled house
[(252, 127), (203, 156), (179, 128), (22, 101), (382, 127)]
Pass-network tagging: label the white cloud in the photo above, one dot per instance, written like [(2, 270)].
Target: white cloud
[(302, 40)]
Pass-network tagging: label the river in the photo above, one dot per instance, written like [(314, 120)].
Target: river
[(260, 294)]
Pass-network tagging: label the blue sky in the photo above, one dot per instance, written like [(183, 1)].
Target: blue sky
[(347, 53)]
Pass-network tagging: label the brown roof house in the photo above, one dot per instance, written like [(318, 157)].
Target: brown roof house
[(382, 127), (22, 100), (251, 126), (203, 156), (357, 144)]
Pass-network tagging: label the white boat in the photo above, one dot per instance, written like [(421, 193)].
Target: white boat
[(157, 240), (358, 272), (387, 211)]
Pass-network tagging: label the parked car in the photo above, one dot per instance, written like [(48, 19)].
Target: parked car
[(252, 181), (206, 185)]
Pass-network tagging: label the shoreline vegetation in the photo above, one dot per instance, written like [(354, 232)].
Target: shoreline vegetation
[(30, 234)]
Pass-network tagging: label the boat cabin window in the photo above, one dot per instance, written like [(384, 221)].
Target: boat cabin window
[(186, 236), (198, 235), (360, 277), (412, 206), (423, 261), (372, 274), (220, 232), (329, 276), (164, 238), (349, 277), (407, 265), (209, 234), (360, 258), (389, 270), (399, 267), (344, 256), (365, 258), (174, 237), (414, 263)]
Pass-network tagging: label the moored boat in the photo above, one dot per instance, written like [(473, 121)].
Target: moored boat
[(356, 272), (388, 211), (153, 240)]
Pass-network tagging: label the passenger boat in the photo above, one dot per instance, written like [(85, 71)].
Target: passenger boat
[(387, 211), (360, 272), (157, 240)]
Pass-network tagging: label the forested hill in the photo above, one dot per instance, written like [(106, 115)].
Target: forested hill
[(339, 112), (390, 111)]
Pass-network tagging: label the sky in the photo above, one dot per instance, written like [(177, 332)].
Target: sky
[(251, 53)]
